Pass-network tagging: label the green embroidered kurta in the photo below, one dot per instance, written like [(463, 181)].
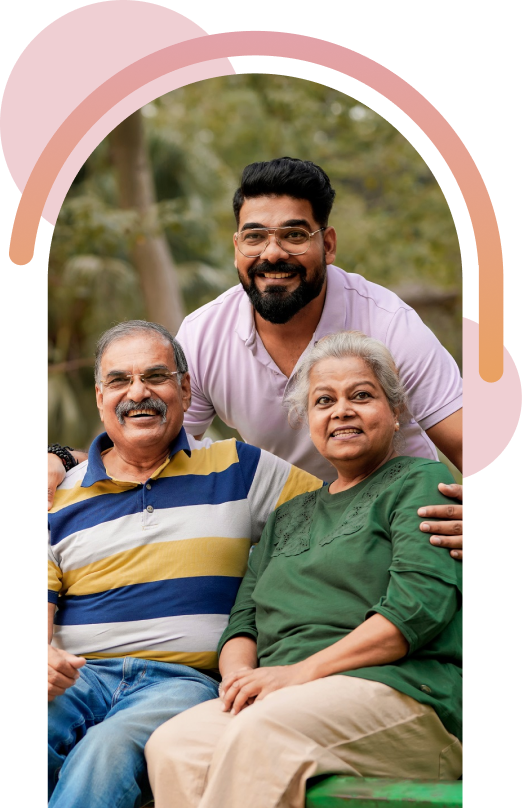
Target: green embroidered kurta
[(326, 562)]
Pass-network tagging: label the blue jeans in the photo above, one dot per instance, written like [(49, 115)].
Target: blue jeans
[(99, 727)]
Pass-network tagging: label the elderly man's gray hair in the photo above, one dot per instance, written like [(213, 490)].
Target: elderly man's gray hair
[(129, 329), (342, 345)]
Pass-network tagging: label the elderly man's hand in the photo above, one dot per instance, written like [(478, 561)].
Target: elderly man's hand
[(448, 532), (55, 476), (62, 671)]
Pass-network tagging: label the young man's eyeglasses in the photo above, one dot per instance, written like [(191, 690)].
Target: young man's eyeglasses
[(151, 378), (252, 242)]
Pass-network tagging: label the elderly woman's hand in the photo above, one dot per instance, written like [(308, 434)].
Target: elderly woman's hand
[(244, 687), (229, 678), (448, 532)]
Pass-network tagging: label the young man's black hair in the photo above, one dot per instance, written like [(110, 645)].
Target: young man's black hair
[(287, 176)]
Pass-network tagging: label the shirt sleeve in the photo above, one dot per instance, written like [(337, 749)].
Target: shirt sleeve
[(424, 592), (54, 576), (273, 482), (430, 375), (201, 412), (242, 620)]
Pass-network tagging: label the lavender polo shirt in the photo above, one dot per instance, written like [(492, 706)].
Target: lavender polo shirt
[(233, 375)]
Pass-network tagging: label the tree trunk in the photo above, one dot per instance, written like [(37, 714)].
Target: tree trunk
[(151, 253)]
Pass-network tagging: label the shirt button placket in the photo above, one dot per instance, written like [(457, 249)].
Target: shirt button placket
[(148, 509)]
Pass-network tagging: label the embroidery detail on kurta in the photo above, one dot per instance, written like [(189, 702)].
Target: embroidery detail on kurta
[(292, 526), (355, 516)]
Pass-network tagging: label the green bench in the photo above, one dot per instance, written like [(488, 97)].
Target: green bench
[(336, 791), (354, 792)]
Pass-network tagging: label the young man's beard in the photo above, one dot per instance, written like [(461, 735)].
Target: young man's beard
[(276, 304)]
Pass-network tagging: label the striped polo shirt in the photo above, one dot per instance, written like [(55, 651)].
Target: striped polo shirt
[(152, 570)]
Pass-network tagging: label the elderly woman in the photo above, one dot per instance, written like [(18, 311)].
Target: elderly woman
[(343, 649)]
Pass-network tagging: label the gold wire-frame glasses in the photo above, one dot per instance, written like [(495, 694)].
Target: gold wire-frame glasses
[(293, 240)]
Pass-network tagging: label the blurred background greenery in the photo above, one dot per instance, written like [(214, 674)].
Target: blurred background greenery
[(146, 228)]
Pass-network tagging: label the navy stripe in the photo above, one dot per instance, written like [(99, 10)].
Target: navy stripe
[(166, 492), (215, 488), (52, 596), (95, 511), (249, 460), (180, 596)]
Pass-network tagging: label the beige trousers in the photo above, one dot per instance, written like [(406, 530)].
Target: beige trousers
[(262, 757)]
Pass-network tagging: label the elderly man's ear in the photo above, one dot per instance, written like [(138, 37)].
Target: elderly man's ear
[(99, 402)]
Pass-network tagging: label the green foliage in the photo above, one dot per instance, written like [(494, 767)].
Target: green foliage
[(393, 223)]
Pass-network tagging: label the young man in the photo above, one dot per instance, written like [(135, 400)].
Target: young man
[(243, 348)]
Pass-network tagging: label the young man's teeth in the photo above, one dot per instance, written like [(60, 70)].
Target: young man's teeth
[(277, 274)]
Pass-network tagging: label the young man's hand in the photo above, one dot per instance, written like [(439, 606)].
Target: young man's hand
[(55, 476), (448, 532), (62, 671), (56, 473)]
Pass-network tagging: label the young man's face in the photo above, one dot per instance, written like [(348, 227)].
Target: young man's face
[(280, 284)]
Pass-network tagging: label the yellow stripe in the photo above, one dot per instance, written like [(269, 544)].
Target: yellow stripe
[(54, 577), (218, 457), (207, 660), (298, 482), (156, 562), (69, 496)]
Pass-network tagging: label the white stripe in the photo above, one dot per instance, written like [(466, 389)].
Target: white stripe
[(73, 477), (267, 485), (230, 520), (182, 633)]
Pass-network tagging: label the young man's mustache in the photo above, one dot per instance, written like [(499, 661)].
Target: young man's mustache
[(156, 404), (282, 266)]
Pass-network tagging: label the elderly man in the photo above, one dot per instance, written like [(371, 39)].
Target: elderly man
[(243, 348), (148, 541)]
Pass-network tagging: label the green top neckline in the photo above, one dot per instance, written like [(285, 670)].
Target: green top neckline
[(348, 493)]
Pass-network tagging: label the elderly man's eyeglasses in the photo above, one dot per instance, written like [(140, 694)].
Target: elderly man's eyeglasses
[(293, 240), (151, 378)]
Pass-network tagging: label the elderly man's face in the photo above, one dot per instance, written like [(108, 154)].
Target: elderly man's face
[(277, 283), (157, 416)]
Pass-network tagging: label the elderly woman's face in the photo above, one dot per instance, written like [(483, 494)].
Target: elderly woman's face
[(348, 414)]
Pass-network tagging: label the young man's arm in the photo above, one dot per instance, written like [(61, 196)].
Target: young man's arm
[(447, 436)]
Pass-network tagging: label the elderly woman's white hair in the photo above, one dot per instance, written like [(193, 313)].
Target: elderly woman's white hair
[(342, 345)]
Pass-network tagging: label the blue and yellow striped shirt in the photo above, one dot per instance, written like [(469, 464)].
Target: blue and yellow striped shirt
[(152, 570)]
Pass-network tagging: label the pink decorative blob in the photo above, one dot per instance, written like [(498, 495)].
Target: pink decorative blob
[(486, 437), (71, 58)]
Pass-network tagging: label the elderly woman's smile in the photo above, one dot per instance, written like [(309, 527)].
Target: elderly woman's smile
[(344, 433)]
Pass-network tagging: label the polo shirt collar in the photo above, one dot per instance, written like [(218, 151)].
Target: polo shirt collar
[(245, 325), (96, 471)]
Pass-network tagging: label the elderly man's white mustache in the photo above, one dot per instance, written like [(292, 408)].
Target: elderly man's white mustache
[(156, 404)]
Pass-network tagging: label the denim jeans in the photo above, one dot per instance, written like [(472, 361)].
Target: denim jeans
[(99, 727)]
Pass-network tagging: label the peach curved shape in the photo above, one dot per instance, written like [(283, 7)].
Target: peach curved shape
[(268, 43)]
